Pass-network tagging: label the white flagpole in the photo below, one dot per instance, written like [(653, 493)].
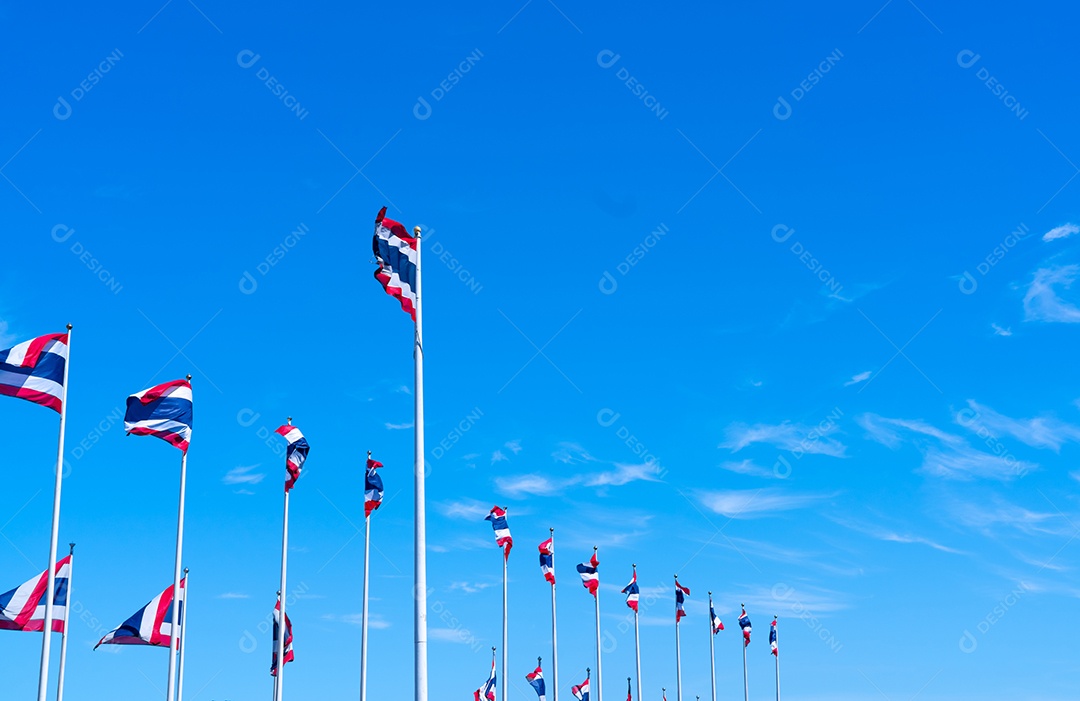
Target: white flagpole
[(281, 633), (67, 618), (170, 690), (504, 628), (182, 649), (43, 675), (599, 685), (420, 545), (678, 657), (777, 656), (554, 631), (364, 614), (745, 680), (637, 645), (282, 628), (712, 649)]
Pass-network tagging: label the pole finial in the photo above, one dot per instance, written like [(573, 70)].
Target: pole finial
[(71, 548), (69, 327), (416, 230), (551, 530), (594, 548), (189, 377), (290, 421), (186, 570), (538, 660)]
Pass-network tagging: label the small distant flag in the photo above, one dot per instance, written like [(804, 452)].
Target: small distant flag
[(164, 411), (590, 579), (628, 696), (288, 639), (497, 516), (632, 593), (680, 591), (536, 680), (150, 625), (487, 691), (396, 254), (547, 560), (34, 370), (373, 487), (295, 454), (717, 624), (744, 623), (23, 608), (581, 692), (772, 638)]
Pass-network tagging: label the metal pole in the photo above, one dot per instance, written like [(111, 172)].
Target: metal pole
[(170, 690), (64, 637), (504, 671), (712, 649), (678, 665), (182, 650), (46, 635), (554, 631), (637, 646), (599, 683), (745, 680), (777, 656), (420, 545), (282, 628), (364, 615)]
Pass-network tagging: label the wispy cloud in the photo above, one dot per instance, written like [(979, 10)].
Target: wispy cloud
[(535, 484), (754, 503), (1042, 303), (748, 467), (513, 446), (786, 436), (470, 587), (498, 456), (1001, 331), (572, 454), (1061, 232), (890, 535), (462, 636), (622, 474), (463, 509), (356, 619), (398, 427), (517, 486), (1042, 432), (996, 513), (233, 595), (243, 475), (888, 431), (856, 379)]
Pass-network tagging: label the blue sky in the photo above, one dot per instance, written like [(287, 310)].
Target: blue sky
[(776, 298)]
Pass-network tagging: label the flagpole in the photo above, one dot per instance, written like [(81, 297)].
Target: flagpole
[(63, 638), (637, 644), (777, 656), (43, 675), (182, 649), (170, 690), (628, 689), (504, 627), (281, 632), (364, 615), (420, 545), (745, 681), (554, 632), (599, 683), (282, 628), (712, 648), (678, 655)]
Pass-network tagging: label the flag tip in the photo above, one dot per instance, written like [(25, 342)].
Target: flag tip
[(416, 230), (189, 377), (69, 327)]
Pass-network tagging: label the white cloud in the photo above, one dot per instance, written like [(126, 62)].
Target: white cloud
[(464, 509), (748, 467), (623, 474), (752, 503), (572, 454), (356, 619), (1061, 232), (398, 427), (461, 636), (517, 486), (1042, 303), (1041, 432), (498, 456), (882, 430), (1001, 331), (786, 436), (856, 379), (470, 587), (513, 446), (891, 536), (985, 517), (233, 595), (243, 475), (966, 463)]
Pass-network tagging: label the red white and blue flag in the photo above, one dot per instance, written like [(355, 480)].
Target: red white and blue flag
[(295, 454), (581, 692), (680, 591), (373, 487), (288, 639), (536, 681), (497, 516), (150, 625), (632, 593), (164, 411), (772, 638), (34, 370), (590, 578), (487, 691), (23, 608), (396, 254), (717, 624), (744, 623), (547, 560)]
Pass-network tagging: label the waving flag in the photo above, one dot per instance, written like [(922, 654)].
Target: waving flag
[(150, 625), (772, 638), (744, 623), (590, 579), (632, 593), (288, 639), (34, 370), (396, 254), (164, 411), (536, 680), (581, 693), (23, 608), (487, 691), (717, 624), (547, 560), (295, 454), (502, 531), (373, 487), (680, 590)]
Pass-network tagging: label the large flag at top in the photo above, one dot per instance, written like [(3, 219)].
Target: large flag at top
[(396, 254), (590, 578), (288, 639), (23, 608), (632, 593), (717, 624), (487, 691), (34, 370), (373, 487), (744, 623), (150, 625), (536, 681), (164, 411), (772, 638), (547, 560), (497, 516), (295, 454), (680, 590)]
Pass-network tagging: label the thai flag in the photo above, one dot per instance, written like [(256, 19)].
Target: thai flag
[(396, 254), (502, 531), (373, 487), (288, 639), (680, 590), (632, 593), (717, 624), (34, 370), (487, 691), (547, 560), (164, 411), (536, 680), (772, 638), (295, 454), (23, 608), (581, 692), (744, 623), (589, 577), (150, 625)]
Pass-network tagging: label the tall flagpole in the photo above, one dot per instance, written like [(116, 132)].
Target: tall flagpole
[(67, 618), (170, 690), (504, 671), (712, 649), (46, 635), (420, 545), (637, 645), (182, 649), (282, 628), (364, 614), (678, 655), (277, 661), (554, 631), (599, 684), (777, 656), (745, 681)]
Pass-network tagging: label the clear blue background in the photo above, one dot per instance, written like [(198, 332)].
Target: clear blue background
[(899, 534)]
